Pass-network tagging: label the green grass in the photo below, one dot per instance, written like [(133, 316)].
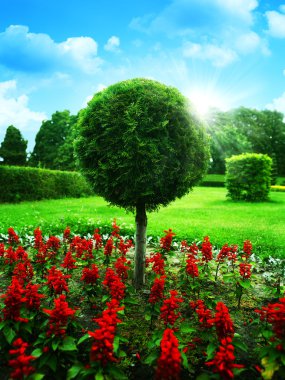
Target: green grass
[(205, 211)]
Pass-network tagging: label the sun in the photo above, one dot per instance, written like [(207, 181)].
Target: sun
[(203, 100)]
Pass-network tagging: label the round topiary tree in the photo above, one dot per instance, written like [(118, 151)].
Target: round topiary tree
[(140, 148)]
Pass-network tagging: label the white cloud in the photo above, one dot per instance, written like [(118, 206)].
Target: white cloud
[(112, 44), (14, 110), (276, 23), (21, 50), (248, 42), (278, 104), (218, 56)]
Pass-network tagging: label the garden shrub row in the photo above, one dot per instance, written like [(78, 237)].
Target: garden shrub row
[(25, 184)]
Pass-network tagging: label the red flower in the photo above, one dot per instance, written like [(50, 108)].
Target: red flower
[(124, 247), (69, 261), (56, 280), (114, 284), (116, 229), (274, 313), (191, 266), (169, 362), (168, 311), (33, 297), (223, 322), (14, 299), (244, 270), (81, 246), (224, 252), (102, 346), (98, 239), (13, 238), (156, 292), (66, 234), (53, 243), (90, 276), (109, 247), (21, 363), (121, 267), (204, 314), (166, 241), (38, 242), (58, 317), (2, 249), (223, 361), (24, 271), (206, 249), (158, 263), (247, 248)]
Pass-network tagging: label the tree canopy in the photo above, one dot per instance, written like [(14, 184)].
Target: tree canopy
[(13, 148), (53, 148)]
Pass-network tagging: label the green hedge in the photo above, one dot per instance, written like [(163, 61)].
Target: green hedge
[(248, 176), (26, 184)]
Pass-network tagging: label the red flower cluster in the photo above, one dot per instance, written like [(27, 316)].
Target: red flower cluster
[(244, 270), (204, 314), (166, 241), (169, 362), (53, 243), (13, 238), (274, 313), (223, 361), (69, 261), (124, 247), (24, 271), (168, 311), (14, 299), (90, 276), (223, 254), (33, 297), (21, 364), (98, 239), (158, 263), (109, 247), (156, 291), (206, 249), (191, 266), (58, 317), (2, 249), (102, 346), (56, 280), (81, 246), (116, 229), (121, 267), (38, 242), (114, 284), (66, 234), (247, 248), (223, 322)]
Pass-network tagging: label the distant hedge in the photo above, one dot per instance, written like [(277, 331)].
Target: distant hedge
[(248, 177), (26, 184)]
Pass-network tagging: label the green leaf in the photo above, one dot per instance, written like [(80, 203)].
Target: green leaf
[(186, 328), (210, 350), (52, 362), (267, 334), (203, 376), (116, 344), (184, 360), (55, 343), (37, 376), (74, 371), (245, 284), (130, 301), (147, 316), (99, 375), (9, 334), (151, 358), (83, 338), (37, 352), (105, 298), (68, 344), (117, 373)]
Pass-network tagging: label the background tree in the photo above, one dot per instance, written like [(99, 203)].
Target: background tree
[(13, 148), (50, 140), (140, 148)]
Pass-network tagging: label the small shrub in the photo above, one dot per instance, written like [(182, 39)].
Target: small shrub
[(248, 177), (25, 184)]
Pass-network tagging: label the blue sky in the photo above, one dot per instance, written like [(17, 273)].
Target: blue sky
[(55, 55)]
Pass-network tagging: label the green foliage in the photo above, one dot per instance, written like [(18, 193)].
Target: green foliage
[(13, 148), (54, 143), (18, 184), (213, 180), (248, 177), (138, 144)]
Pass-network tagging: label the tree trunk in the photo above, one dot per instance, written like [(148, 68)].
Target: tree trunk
[(141, 224)]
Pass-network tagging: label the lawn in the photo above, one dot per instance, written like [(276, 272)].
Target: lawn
[(205, 211)]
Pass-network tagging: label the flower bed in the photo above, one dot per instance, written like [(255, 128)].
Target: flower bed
[(69, 310)]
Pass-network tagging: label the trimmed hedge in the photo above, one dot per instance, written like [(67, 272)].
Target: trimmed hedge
[(248, 177), (28, 184), (213, 180)]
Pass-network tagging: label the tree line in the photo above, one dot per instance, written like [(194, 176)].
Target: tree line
[(242, 130)]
